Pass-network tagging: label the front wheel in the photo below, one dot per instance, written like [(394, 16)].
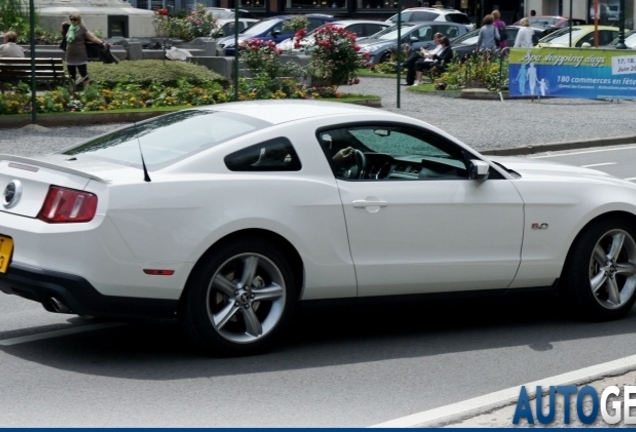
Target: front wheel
[(600, 272), (239, 299)]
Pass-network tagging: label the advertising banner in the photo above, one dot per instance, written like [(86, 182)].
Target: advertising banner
[(573, 73)]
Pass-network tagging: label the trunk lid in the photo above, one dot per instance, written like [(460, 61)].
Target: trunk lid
[(25, 182)]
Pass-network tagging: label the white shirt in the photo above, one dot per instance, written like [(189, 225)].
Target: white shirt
[(434, 51), (524, 38)]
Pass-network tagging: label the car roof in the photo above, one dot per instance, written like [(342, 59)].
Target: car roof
[(433, 9), (283, 111), (591, 27), (345, 22)]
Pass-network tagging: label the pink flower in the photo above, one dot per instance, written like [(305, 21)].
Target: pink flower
[(198, 22)]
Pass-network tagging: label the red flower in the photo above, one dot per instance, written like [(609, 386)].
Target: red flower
[(297, 45), (163, 12)]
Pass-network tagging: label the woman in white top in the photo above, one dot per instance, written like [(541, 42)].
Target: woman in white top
[(525, 35)]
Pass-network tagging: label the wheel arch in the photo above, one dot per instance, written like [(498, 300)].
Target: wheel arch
[(623, 214), (278, 240)]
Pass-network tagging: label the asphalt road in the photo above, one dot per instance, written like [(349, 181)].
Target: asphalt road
[(341, 365)]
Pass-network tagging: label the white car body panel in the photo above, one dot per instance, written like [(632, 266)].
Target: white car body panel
[(433, 236)]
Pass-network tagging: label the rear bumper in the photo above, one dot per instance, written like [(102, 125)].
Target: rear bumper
[(78, 294)]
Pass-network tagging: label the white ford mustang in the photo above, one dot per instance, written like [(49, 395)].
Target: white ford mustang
[(238, 211)]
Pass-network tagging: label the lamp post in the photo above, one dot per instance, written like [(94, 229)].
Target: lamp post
[(236, 50), (621, 30), (34, 102), (399, 50)]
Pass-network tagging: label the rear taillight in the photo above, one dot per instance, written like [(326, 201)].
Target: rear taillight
[(63, 205)]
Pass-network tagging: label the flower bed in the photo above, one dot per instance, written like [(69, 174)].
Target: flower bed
[(126, 96)]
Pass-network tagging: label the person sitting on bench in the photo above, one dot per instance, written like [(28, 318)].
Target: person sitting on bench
[(421, 56), (438, 61), (10, 48)]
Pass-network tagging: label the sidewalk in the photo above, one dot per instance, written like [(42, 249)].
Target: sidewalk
[(513, 123)]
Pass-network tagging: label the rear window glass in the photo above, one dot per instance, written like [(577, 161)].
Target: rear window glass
[(457, 18), (167, 139)]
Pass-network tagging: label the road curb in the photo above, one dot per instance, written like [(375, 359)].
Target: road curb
[(470, 408), (559, 146)]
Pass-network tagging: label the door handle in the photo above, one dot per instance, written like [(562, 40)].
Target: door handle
[(369, 203)]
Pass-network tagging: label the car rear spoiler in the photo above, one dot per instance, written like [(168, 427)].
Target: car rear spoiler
[(29, 162)]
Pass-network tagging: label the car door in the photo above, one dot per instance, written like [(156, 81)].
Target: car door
[(416, 222)]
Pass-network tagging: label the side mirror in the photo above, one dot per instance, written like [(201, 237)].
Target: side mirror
[(478, 170), (414, 39), (276, 33)]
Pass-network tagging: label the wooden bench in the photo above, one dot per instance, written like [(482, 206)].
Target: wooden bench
[(49, 70)]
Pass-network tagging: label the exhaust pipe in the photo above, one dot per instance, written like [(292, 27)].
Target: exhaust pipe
[(59, 306)]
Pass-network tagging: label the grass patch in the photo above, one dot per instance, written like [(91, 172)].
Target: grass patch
[(430, 88), (367, 73), (353, 97)]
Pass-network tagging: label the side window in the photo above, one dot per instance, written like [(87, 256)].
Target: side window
[(277, 154), (382, 153), (423, 16), (357, 29), (314, 24), (425, 33), (449, 31), (371, 29), (277, 27)]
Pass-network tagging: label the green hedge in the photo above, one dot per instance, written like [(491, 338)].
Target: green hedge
[(152, 71)]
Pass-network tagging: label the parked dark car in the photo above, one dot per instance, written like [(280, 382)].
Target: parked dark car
[(466, 44), (271, 29), (380, 45)]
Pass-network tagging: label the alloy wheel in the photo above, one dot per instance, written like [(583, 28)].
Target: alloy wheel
[(612, 269), (246, 298)]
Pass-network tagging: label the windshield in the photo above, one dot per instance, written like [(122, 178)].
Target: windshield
[(167, 139), (405, 17), (562, 36), (220, 13), (543, 21), (468, 38), (390, 33), (259, 28)]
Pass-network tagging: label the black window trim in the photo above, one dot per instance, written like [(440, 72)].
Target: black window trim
[(466, 154)]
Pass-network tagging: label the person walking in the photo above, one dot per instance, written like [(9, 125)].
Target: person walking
[(488, 34), (74, 43), (10, 48), (500, 25), (525, 35)]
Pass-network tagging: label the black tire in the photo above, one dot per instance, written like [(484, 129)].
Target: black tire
[(580, 266), (385, 57), (194, 311)]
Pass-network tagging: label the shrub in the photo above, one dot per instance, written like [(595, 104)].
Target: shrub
[(478, 70), (199, 23), (147, 72), (334, 58), (14, 15), (263, 59), (296, 23)]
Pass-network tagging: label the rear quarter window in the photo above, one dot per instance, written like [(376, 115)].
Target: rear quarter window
[(277, 154)]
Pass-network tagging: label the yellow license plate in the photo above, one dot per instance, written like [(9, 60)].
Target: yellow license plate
[(6, 249)]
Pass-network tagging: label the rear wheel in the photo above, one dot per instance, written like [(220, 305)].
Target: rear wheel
[(600, 273), (239, 299)]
